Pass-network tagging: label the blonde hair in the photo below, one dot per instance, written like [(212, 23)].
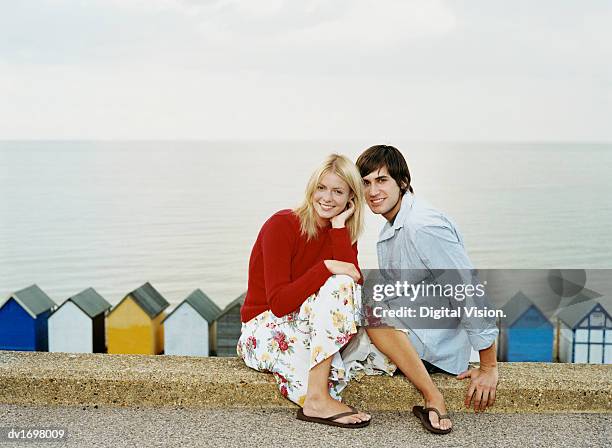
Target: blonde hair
[(346, 170)]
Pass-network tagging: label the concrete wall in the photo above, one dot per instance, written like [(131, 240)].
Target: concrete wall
[(136, 380)]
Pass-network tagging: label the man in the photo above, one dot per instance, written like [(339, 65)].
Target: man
[(417, 236)]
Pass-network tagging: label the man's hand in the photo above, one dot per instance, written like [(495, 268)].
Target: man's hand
[(482, 387)]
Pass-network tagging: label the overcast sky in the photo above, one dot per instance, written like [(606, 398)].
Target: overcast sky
[(306, 69)]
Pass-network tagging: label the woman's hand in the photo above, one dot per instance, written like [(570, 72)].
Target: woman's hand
[(339, 220), (344, 268)]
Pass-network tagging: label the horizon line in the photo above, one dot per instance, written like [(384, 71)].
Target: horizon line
[(315, 139)]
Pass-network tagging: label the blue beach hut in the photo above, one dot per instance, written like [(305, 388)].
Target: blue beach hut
[(23, 320), (585, 332), (526, 333)]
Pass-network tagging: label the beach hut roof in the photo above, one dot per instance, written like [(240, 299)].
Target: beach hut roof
[(203, 305), (574, 314), (237, 301), (33, 300), (148, 298), (516, 307), (90, 302), (583, 296)]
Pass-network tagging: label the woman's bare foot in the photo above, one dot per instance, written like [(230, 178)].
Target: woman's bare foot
[(324, 407), (437, 401)]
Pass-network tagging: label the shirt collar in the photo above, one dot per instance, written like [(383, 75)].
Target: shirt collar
[(389, 229)]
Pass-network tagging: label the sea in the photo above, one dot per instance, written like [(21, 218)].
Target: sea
[(183, 215)]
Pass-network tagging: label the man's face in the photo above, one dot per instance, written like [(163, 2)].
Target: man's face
[(382, 193)]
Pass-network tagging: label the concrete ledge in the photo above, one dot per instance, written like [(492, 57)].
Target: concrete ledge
[(138, 380)]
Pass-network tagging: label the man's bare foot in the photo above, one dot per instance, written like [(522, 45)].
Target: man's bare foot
[(326, 407), (437, 401)]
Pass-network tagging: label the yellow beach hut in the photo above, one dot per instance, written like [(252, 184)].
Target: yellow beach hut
[(134, 325)]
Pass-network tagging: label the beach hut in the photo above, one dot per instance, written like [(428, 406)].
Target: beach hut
[(526, 334), (189, 327), (77, 326), (135, 324), (229, 326), (23, 320), (585, 332)]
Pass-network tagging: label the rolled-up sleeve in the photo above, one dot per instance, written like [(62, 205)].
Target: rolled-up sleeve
[(483, 338)]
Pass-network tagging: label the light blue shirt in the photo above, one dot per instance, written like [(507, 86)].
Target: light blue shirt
[(422, 237)]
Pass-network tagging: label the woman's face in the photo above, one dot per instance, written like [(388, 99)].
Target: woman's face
[(331, 196)]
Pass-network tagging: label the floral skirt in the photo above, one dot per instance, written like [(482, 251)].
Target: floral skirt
[(326, 324)]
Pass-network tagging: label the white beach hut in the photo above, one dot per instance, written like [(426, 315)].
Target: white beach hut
[(585, 332), (77, 326), (189, 328)]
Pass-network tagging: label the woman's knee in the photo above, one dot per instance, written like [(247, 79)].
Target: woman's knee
[(340, 294), (338, 287)]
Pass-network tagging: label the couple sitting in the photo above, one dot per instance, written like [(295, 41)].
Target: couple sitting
[(303, 303)]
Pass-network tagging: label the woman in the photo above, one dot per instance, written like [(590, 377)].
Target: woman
[(303, 299)]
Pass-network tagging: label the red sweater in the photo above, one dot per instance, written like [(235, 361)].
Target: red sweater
[(284, 269)]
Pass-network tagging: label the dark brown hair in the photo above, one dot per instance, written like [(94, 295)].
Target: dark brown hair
[(375, 157)]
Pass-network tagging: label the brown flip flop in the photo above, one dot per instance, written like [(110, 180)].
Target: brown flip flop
[(423, 415), (331, 420)]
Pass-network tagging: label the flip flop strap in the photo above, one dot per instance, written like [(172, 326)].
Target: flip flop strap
[(440, 417), (342, 414)]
